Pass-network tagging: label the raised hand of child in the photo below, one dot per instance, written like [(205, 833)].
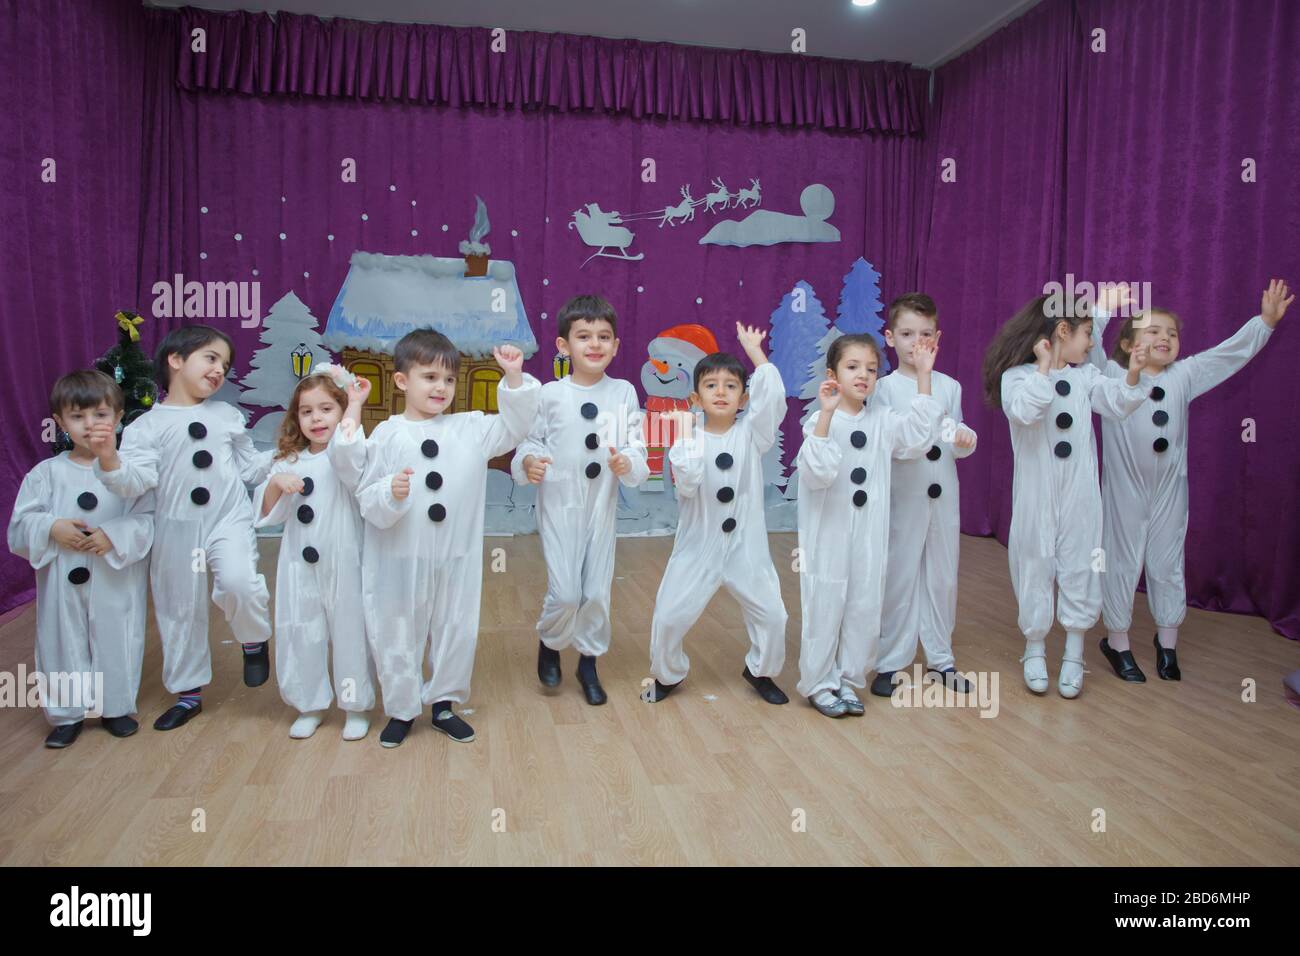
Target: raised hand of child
[(924, 352), (1113, 297), (96, 542), (751, 340), (359, 390), (510, 358), (287, 483), (102, 439), (69, 533), (619, 463), (535, 468), (1275, 302), (828, 395), (964, 438), (402, 483)]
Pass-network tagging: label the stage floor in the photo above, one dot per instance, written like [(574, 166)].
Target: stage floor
[(1179, 773)]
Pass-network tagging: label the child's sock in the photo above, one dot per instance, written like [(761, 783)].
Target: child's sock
[(190, 699), (1118, 641), (1168, 637), (1036, 648), (306, 725), (1074, 645), (253, 648)]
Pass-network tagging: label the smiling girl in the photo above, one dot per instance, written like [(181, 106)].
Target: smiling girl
[(318, 605), (1144, 488), (1032, 369)]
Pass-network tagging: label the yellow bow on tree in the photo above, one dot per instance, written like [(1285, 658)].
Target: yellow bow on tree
[(127, 322)]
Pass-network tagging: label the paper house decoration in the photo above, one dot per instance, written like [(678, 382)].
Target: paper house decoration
[(384, 297)]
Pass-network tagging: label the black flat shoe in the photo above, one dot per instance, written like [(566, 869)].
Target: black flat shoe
[(652, 695), (951, 679), (395, 732), (548, 665), (177, 716), (883, 684), (63, 735), (123, 726), (257, 666), (590, 681), (766, 688), (1166, 662), (1125, 667), (446, 720)]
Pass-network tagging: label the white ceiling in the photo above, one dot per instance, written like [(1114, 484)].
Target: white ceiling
[(921, 32)]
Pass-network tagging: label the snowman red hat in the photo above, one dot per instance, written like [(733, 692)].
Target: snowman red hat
[(696, 335), (668, 377)]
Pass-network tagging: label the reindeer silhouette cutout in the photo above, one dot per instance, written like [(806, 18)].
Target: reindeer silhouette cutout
[(752, 196), (684, 210), (719, 196)]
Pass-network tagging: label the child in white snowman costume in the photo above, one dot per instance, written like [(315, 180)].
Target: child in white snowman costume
[(585, 443), (196, 454), (422, 496), (1144, 482), (924, 512), (717, 471), (844, 492), (90, 551), (319, 460), (1033, 369)]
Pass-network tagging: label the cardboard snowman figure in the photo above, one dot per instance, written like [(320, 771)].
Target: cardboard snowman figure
[(667, 378)]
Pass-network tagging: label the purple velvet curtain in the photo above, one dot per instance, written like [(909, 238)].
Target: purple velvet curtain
[(72, 86), (1126, 165), (458, 66), (1117, 165)]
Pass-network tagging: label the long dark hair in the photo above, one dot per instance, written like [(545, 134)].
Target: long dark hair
[(1015, 341)]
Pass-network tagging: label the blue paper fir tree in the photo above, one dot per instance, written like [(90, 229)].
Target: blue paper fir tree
[(798, 324), (860, 309)]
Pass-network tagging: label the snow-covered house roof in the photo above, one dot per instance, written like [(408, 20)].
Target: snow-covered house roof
[(384, 297)]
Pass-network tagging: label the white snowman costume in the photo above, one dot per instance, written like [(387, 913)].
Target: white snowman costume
[(318, 602), (1144, 484), (199, 459), (844, 535), (924, 534), (722, 537), (1056, 513), (422, 560), (577, 501), (90, 609)]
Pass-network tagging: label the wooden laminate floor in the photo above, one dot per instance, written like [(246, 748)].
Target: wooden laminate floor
[(1185, 773)]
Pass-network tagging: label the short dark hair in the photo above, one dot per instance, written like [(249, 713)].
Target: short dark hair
[(425, 347), (590, 307), (184, 342), (85, 388), (720, 362), (841, 345), (917, 302)]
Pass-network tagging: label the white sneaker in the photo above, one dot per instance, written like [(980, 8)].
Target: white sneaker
[(356, 726), (305, 725), (1070, 682), (1035, 672)]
